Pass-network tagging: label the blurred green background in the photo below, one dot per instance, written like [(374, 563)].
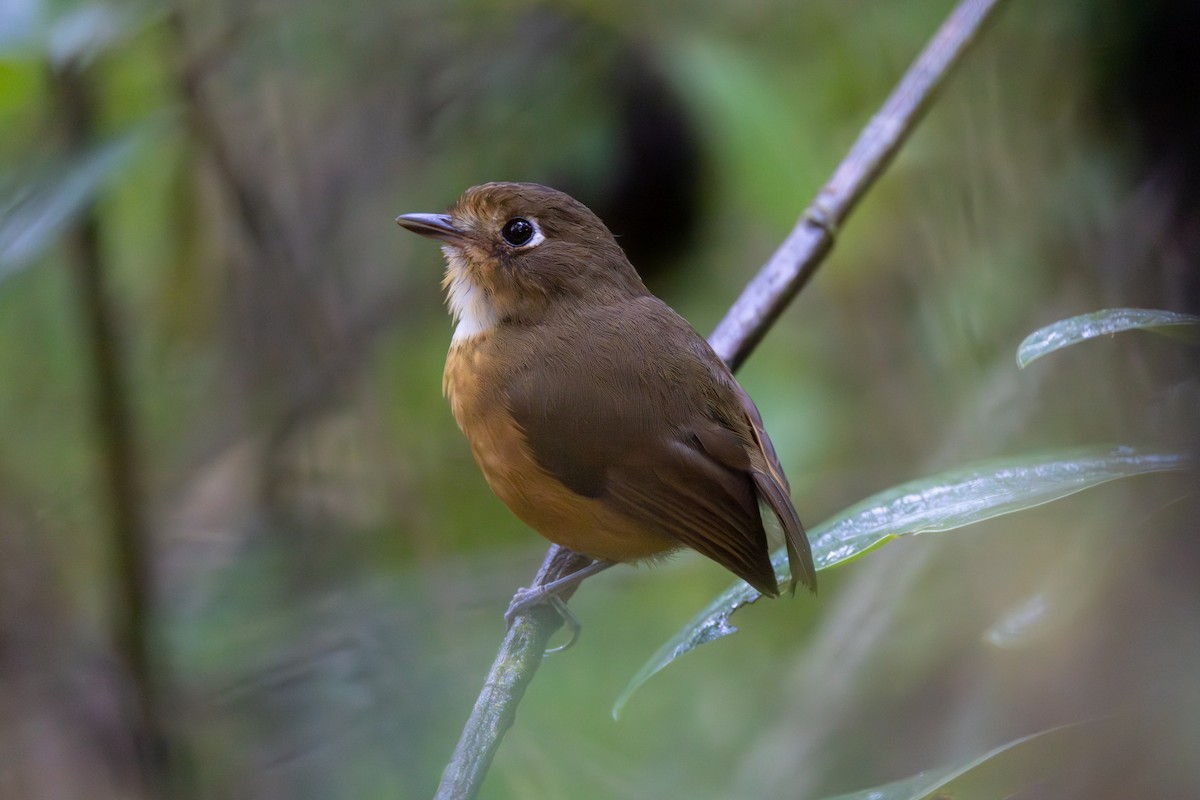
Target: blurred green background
[(214, 342)]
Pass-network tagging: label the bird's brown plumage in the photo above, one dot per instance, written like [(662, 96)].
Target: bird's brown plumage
[(596, 413)]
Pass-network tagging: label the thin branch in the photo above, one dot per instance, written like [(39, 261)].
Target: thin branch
[(116, 439), (748, 320), (796, 260), (496, 707)]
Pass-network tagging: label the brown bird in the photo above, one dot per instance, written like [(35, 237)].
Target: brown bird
[(596, 413)]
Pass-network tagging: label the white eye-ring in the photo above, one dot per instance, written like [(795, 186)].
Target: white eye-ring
[(522, 232)]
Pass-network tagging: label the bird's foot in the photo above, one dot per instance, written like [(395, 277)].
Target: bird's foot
[(549, 594), (526, 599)]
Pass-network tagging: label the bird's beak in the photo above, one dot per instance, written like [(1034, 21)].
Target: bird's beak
[(435, 226)]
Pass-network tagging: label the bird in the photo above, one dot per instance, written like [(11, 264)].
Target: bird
[(596, 413)]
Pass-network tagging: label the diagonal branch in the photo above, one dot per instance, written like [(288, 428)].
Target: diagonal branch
[(796, 260), (748, 320)]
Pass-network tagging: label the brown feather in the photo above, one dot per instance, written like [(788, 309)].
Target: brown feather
[(773, 488), (644, 434)]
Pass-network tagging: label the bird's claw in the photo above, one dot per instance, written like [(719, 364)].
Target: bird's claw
[(526, 599)]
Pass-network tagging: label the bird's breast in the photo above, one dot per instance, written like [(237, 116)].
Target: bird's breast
[(475, 381)]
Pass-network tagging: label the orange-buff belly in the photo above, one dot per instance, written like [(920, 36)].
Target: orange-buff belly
[(583, 524)]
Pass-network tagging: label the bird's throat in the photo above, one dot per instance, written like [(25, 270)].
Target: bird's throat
[(469, 305)]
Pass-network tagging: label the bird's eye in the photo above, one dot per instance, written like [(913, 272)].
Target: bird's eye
[(518, 231)]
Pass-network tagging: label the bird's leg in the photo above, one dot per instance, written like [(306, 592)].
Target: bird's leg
[(526, 599)]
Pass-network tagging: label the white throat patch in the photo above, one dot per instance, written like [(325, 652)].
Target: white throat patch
[(469, 307)]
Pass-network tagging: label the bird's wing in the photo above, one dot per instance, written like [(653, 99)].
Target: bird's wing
[(772, 486), (638, 437), (680, 489), (673, 485)]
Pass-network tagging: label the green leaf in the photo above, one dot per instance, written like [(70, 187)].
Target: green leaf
[(942, 502), (1067, 332), (85, 32), (34, 209), (1000, 772), (33, 30), (20, 25)]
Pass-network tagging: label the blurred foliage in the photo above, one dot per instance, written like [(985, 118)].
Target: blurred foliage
[(331, 568)]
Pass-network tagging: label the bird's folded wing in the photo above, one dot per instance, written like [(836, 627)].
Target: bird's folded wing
[(681, 490)]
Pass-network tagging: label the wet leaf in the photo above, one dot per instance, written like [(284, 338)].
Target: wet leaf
[(942, 502), (1074, 330), (1000, 772)]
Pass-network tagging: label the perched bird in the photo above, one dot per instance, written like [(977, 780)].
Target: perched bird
[(596, 413)]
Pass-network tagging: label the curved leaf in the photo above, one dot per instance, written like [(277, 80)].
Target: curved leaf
[(1022, 762), (35, 210), (1074, 330), (35, 30), (87, 31), (20, 23), (942, 502)]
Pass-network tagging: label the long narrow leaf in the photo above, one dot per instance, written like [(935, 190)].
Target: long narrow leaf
[(64, 33), (942, 502), (1021, 762), (1074, 330), (35, 210)]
